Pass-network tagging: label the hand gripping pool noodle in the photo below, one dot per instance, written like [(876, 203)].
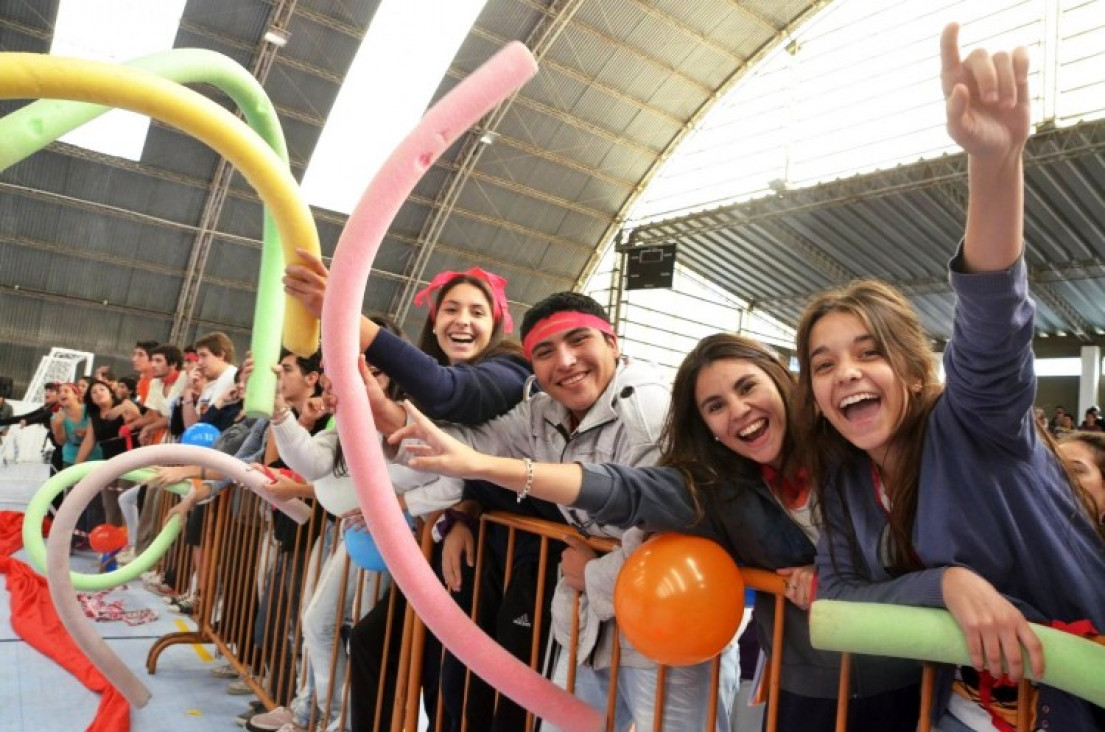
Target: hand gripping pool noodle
[(31, 128), (57, 546), (1075, 665), (356, 250)]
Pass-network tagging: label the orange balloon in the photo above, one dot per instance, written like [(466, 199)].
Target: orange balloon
[(679, 599), (107, 538)]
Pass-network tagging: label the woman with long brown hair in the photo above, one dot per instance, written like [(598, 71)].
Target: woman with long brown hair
[(729, 472), (463, 369), (921, 506)]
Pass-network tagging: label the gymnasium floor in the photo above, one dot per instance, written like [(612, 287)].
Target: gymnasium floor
[(36, 695)]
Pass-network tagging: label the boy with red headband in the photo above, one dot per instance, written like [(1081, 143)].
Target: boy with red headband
[(593, 406)]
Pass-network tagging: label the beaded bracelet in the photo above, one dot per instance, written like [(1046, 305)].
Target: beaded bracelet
[(279, 417), (529, 480)]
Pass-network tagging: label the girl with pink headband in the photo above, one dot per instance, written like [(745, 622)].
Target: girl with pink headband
[(466, 371), (463, 371)]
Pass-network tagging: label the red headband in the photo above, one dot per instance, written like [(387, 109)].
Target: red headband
[(495, 283), (560, 322)]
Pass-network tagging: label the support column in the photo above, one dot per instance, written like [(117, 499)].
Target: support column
[(1089, 382)]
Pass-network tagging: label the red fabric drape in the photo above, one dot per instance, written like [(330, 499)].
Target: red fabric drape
[(34, 620)]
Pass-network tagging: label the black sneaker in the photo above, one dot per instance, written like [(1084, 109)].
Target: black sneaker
[(255, 708)]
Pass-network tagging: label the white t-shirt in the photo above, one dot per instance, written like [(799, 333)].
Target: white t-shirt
[(157, 399)]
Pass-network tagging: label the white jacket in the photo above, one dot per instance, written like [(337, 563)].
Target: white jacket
[(622, 427), (313, 458)]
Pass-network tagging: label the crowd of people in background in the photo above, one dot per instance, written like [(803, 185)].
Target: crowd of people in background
[(861, 478)]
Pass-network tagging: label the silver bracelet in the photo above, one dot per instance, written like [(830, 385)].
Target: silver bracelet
[(282, 415), (529, 480)]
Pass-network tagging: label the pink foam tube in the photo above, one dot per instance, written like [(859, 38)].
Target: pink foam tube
[(360, 240), (62, 591)]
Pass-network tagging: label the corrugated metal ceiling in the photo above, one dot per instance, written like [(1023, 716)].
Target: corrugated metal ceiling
[(97, 252), (901, 225)]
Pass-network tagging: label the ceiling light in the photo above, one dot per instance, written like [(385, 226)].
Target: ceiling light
[(277, 37), (488, 138)]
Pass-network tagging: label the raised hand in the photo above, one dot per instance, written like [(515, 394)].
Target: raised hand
[(986, 95), (314, 409), (306, 282), (246, 369), (435, 451)]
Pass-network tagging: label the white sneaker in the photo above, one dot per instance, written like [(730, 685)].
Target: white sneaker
[(224, 671), (126, 556), (239, 687)]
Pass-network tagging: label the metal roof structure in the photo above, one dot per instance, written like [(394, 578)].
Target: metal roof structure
[(901, 226), (97, 252)]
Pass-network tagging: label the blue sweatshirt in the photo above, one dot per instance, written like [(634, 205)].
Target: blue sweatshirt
[(462, 393), (992, 497)]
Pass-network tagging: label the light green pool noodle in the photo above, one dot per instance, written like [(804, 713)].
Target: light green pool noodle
[(33, 127), (40, 505), (1075, 665)]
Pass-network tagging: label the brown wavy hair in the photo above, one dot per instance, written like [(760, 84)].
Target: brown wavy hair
[(497, 345), (896, 329), (686, 442)]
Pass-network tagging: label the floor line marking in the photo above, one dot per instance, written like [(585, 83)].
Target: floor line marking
[(197, 647)]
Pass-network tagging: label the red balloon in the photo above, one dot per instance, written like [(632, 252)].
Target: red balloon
[(679, 599), (107, 538)]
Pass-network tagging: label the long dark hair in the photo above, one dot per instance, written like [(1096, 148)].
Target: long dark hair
[(896, 329), (497, 345), (686, 442), (93, 409)]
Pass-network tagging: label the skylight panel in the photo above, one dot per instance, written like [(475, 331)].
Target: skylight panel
[(115, 31), (401, 62), (856, 89)]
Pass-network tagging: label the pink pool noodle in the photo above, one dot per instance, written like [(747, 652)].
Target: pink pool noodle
[(81, 629), (360, 240)]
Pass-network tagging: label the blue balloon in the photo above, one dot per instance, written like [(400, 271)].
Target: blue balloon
[(200, 434), (363, 550)]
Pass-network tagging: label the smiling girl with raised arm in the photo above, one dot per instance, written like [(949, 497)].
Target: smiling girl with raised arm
[(727, 472), (920, 505)]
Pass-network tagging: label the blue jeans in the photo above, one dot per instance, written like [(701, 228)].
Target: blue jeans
[(686, 687)]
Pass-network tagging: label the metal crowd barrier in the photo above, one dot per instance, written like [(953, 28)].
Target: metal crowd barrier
[(265, 648)]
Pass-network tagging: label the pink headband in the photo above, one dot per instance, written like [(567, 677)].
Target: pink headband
[(497, 284), (560, 322)]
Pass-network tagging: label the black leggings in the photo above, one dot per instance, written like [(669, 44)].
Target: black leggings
[(891, 711)]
